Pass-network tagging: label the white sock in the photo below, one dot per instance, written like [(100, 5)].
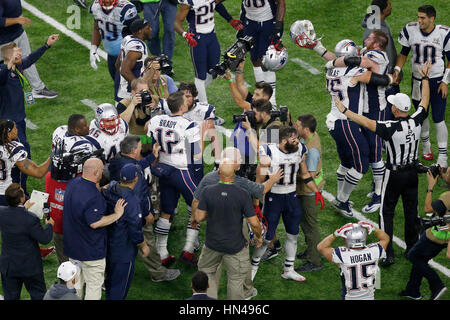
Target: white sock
[(256, 257), (425, 136), (191, 238), (201, 88), (208, 80), (378, 169), (442, 140), (341, 172), (162, 234), (271, 78), (259, 74), (290, 246), (351, 180)]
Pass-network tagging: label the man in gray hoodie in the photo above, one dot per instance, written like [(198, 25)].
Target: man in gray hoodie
[(64, 290)]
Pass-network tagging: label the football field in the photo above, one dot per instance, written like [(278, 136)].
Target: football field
[(300, 86)]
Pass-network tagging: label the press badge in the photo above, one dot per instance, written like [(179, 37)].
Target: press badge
[(29, 97)]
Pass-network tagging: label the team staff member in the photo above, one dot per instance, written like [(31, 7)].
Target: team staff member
[(125, 236), (20, 260), (84, 217), (430, 244), (222, 202), (401, 139)]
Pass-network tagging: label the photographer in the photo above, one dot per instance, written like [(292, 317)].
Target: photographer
[(430, 244), (137, 112), (156, 73)]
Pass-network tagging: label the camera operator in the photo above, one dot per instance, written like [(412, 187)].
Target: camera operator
[(156, 72), (430, 244), (138, 109)]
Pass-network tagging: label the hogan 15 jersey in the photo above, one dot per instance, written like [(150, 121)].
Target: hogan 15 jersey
[(9, 155), (288, 162), (111, 23), (200, 17), (358, 269), (176, 136), (258, 10), (109, 142), (426, 47)]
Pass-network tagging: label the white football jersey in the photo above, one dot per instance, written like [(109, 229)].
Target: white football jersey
[(258, 10), (131, 43), (359, 268), (73, 143), (289, 162), (109, 143), (200, 111), (201, 15), (111, 23), (338, 83), (175, 134), (426, 47), (374, 96), (8, 159)]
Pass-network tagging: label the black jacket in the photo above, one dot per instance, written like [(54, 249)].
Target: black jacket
[(201, 296), (22, 232)]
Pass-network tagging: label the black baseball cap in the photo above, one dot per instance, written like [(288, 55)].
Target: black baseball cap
[(138, 25)]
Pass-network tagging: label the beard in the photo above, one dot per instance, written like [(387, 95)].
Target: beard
[(291, 147)]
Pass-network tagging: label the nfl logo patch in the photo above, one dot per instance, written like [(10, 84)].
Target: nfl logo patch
[(59, 195)]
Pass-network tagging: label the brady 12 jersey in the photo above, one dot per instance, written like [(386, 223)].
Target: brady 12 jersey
[(258, 10), (8, 158), (200, 17), (375, 96), (72, 143), (111, 23), (176, 136), (358, 269), (131, 43), (200, 112), (338, 83), (426, 47), (109, 142), (288, 162)]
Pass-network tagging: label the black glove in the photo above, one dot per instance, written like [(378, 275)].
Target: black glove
[(277, 32)]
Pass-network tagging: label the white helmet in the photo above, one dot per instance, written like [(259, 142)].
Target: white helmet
[(275, 59), (346, 47), (303, 34), (356, 237), (107, 119)]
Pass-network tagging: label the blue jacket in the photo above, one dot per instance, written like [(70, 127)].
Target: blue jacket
[(10, 9), (141, 189), (12, 98), (126, 233)]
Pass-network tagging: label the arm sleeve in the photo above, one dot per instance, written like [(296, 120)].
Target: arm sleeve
[(220, 8), (405, 50), (95, 210), (33, 57), (203, 203), (41, 234)]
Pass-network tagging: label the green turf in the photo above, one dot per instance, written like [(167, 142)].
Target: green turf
[(65, 68)]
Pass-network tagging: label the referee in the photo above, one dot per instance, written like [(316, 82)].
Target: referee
[(401, 137)]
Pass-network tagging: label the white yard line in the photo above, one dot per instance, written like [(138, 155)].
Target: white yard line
[(227, 132), (30, 125), (306, 65)]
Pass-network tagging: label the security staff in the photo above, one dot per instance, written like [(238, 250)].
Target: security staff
[(401, 138)]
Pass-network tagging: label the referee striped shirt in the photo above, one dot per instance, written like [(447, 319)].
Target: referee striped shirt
[(402, 138)]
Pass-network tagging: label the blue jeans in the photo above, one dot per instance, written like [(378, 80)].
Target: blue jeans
[(423, 251), (168, 12)]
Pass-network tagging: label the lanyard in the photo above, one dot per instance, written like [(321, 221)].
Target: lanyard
[(22, 79), (306, 141), (225, 182)]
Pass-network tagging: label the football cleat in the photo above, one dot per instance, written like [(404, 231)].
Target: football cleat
[(188, 258), (171, 274), (342, 207), (269, 254), (436, 295), (373, 205), (167, 262), (45, 252), (406, 294), (290, 274), (428, 156)]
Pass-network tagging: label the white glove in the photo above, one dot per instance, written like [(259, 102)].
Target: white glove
[(319, 48), (93, 56), (367, 225), (329, 64)]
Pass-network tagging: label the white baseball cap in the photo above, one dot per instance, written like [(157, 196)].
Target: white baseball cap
[(67, 271), (401, 101)]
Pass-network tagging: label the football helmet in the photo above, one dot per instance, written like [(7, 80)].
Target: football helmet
[(275, 59), (356, 237), (108, 5), (107, 119), (303, 34), (346, 47)]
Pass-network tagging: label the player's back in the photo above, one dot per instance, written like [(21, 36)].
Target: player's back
[(111, 23), (358, 269), (175, 135), (258, 10), (201, 15), (288, 162), (9, 155), (109, 142), (61, 138), (374, 96), (200, 112)]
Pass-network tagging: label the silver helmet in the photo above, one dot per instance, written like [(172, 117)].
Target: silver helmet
[(107, 119), (275, 59), (303, 34), (356, 237), (346, 47)]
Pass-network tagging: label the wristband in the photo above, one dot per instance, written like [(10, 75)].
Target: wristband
[(429, 190), (398, 68), (239, 72), (230, 80), (309, 179), (425, 78), (446, 78), (183, 34), (345, 110)]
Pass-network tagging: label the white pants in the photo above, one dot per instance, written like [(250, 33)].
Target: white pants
[(93, 275)]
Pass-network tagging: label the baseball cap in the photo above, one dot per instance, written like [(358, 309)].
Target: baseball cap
[(401, 101), (128, 172), (442, 205), (137, 25), (67, 271)]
